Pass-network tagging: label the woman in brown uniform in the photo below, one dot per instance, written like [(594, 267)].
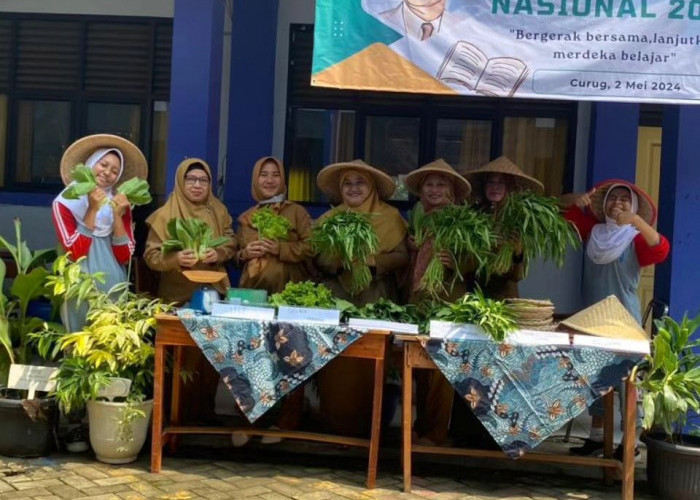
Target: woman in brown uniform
[(268, 264), (191, 198), (345, 385), (436, 185), (491, 185)]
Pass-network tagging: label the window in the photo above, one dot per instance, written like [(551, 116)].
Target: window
[(159, 149), (63, 77), (43, 132), (400, 132)]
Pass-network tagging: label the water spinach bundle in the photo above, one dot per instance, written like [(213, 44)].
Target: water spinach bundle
[(475, 309), (270, 225), (535, 222), (84, 182), (350, 237), (463, 233), (191, 234)]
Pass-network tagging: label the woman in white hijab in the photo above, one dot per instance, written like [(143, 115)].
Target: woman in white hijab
[(91, 227), (615, 219)]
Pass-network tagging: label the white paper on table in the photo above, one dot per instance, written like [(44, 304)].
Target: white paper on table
[(536, 337), (226, 310), (457, 331), (291, 314), (376, 324), (610, 344)]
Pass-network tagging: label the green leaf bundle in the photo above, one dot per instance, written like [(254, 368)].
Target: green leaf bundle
[(270, 225), (308, 294), (534, 221), (474, 308), (136, 191), (350, 237), (84, 182), (461, 231), (416, 223), (191, 234), (386, 310)]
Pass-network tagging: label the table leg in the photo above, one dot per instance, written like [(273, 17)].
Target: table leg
[(608, 433), (175, 400), (628, 440), (376, 422), (407, 418), (157, 425)]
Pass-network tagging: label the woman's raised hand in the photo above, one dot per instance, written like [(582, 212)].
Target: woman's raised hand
[(119, 204), (95, 199)]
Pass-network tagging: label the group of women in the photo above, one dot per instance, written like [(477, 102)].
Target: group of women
[(616, 218)]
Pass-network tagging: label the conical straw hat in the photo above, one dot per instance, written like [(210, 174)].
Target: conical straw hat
[(328, 179), (414, 181), (135, 164), (646, 209), (607, 318), (502, 165)]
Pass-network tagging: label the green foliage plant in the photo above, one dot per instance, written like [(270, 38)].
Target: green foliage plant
[(191, 234), (670, 377), (270, 225)]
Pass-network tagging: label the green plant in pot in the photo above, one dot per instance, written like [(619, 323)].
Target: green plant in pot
[(114, 347), (28, 426), (670, 380)]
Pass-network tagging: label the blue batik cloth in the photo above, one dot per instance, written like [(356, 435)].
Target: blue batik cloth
[(262, 361), (522, 393)]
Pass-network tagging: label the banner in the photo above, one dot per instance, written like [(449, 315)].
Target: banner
[(602, 50)]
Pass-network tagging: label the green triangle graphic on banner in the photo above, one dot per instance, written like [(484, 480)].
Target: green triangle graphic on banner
[(350, 26)]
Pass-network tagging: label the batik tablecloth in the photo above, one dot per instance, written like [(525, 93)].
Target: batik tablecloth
[(523, 393), (262, 361)]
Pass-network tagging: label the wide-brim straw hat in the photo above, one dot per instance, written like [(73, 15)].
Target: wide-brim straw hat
[(414, 181), (502, 165), (328, 179), (135, 164), (607, 318), (646, 209)]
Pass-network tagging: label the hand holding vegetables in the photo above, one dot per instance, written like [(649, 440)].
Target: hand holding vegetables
[(186, 258), (135, 190), (195, 235)]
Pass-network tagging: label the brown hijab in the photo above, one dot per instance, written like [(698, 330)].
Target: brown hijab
[(211, 211), (386, 220)]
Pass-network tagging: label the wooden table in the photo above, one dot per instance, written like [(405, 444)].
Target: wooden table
[(415, 357), (171, 333)]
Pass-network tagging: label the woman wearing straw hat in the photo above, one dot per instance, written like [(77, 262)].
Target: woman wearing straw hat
[(191, 198), (88, 226), (345, 385), (491, 185), (269, 264), (436, 185), (615, 220)]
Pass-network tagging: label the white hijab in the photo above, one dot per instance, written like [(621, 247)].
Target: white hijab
[(104, 220), (608, 240)]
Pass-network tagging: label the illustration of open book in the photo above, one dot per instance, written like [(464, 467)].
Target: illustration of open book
[(466, 65)]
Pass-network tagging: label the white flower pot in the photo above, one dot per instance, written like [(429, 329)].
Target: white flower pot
[(112, 443)]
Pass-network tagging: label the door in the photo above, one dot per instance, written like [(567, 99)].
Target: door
[(648, 173)]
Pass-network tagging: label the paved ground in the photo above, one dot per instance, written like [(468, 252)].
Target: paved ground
[(228, 474)]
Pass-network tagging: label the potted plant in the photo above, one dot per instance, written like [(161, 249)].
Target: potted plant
[(28, 425), (115, 343), (671, 384)]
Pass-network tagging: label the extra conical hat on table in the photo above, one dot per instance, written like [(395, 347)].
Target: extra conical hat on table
[(502, 165), (414, 181), (607, 318)]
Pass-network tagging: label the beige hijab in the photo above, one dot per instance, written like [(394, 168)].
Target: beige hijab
[(255, 180), (211, 211), (386, 220)]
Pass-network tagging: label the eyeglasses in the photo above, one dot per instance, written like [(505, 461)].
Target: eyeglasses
[(191, 180)]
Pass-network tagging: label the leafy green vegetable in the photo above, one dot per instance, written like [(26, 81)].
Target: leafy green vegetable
[(350, 237), (416, 223), (462, 232), (84, 182), (308, 294), (270, 225), (136, 191), (535, 222), (191, 234), (474, 308)]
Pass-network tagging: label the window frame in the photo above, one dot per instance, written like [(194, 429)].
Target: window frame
[(428, 108), (79, 98)]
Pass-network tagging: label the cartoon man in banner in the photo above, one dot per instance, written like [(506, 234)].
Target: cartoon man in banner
[(420, 19)]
